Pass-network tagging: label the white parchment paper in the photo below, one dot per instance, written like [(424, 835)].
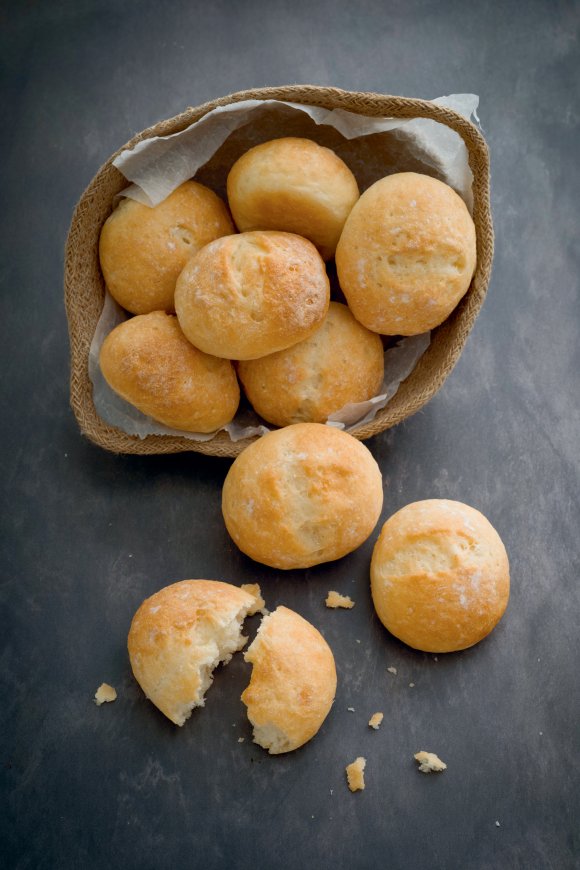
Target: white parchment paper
[(371, 147)]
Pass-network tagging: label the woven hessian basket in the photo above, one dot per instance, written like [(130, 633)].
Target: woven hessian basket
[(84, 287)]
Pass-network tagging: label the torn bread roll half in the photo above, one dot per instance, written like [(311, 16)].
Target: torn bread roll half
[(293, 682), (179, 635)]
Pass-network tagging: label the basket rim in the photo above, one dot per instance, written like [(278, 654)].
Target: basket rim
[(359, 102)]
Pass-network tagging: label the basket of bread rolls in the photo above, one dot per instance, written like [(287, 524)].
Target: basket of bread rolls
[(275, 251)]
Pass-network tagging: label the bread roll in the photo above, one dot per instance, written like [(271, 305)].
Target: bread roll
[(148, 361), (294, 185), (179, 635), (302, 495), (249, 295), (439, 576), (293, 682), (406, 255), (143, 250), (341, 362)]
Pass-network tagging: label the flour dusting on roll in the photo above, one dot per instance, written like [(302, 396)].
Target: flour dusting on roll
[(302, 495), (142, 250), (341, 362), (251, 294), (406, 255), (439, 576)]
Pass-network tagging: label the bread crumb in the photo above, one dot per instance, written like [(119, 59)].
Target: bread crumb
[(355, 774), (392, 670), (241, 739), (376, 720), (335, 599), (429, 762), (105, 694), (350, 709), (259, 603), (411, 685)]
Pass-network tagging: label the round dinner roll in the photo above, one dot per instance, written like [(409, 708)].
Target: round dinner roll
[(294, 185), (293, 682), (406, 255), (251, 294), (302, 495), (179, 635), (341, 362), (142, 250), (149, 362), (439, 576)]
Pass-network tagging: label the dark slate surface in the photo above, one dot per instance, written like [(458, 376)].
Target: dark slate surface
[(87, 535)]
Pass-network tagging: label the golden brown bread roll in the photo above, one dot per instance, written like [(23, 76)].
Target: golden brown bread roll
[(439, 576), (142, 250), (293, 682), (248, 295), (294, 185), (149, 362), (179, 635), (406, 255), (302, 495), (341, 362)]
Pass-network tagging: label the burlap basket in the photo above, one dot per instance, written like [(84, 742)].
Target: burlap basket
[(84, 287)]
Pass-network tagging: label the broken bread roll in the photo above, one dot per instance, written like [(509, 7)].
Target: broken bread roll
[(248, 295), (406, 255), (340, 363), (142, 250), (302, 495), (355, 774), (148, 361), (296, 185), (429, 762), (439, 576), (179, 635), (293, 682)]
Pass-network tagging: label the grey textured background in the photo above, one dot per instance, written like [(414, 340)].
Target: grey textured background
[(87, 535)]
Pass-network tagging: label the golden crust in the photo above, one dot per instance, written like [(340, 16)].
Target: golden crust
[(176, 638), (341, 362), (439, 576), (149, 362), (407, 254), (142, 250), (294, 185), (248, 295), (293, 681), (302, 495)]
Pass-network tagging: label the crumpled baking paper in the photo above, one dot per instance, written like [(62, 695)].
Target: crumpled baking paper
[(207, 149)]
